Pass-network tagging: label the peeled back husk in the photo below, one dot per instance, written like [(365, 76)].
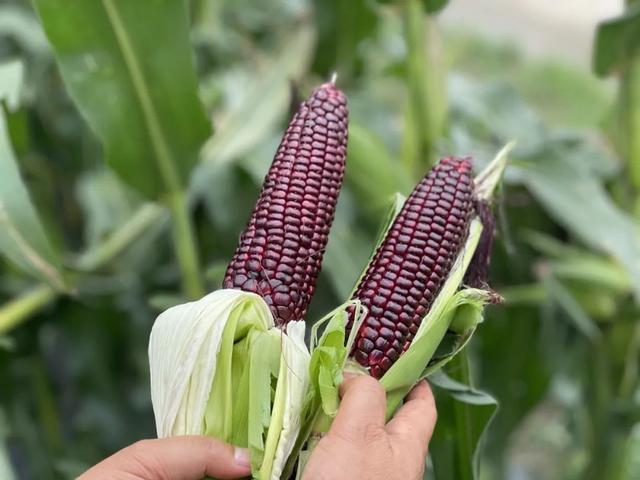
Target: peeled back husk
[(214, 364)]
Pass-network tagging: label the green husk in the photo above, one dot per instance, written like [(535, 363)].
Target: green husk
[(409, 368), (328, 359)]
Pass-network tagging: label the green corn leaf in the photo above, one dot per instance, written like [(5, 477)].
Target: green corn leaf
[(128, 67), (367, 153), (328, 357), (580, 203), (617, 41), (434, 6), (23, 239), (480, 408), (250, 119), (563, 298)]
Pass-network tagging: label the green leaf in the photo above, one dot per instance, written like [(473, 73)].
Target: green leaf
[(105, 201), (256, 116), (250, 119), (343, 29), (426, 102), (430, 6), (128, 67), (583, 323), (617, 41), (348, 250), (434, 6), (374, 175), (578, 201), (570, 262), (23, 240), (478, 409)]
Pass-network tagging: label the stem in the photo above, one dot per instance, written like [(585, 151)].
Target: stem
[(185, 245), (427, 105), (599, 395), (630, 96), (346, 42), (459, 370), (630, 371), (46, 407), (630, 111), (19, 309)]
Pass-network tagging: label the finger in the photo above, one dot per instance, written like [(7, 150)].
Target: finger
[(414, 422), (176, 458), (362, 408)]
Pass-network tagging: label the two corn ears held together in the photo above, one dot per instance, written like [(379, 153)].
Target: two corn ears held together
[(280, 252)]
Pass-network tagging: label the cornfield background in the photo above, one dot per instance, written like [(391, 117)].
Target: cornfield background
[(134, 137)]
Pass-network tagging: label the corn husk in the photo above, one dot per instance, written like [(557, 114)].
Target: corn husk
[(214, 363)]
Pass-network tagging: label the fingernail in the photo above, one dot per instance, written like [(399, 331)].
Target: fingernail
[(241, 456)]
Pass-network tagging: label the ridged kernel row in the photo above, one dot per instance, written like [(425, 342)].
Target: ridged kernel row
[(280, 251), (410, 267)]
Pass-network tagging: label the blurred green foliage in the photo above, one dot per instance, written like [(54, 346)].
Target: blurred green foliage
[(561, 354)]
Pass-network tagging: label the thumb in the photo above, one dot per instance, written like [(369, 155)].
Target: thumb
[(175, 458), (361, 409)]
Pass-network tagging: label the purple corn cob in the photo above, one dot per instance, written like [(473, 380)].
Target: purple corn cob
[(411, 265), (281, 250)]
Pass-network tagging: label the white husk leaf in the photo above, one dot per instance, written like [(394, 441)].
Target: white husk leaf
[(183, 349), (294, 371)]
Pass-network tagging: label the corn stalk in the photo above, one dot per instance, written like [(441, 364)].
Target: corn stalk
[(426, 108), (630, 110)]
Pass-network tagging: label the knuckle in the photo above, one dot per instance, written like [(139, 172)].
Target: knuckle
[(374, 433), (140, 447)]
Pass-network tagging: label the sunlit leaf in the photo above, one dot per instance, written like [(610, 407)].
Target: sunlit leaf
[(134, 82)]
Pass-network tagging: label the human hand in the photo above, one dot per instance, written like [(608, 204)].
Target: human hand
[(176, 458), (360, 446)]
